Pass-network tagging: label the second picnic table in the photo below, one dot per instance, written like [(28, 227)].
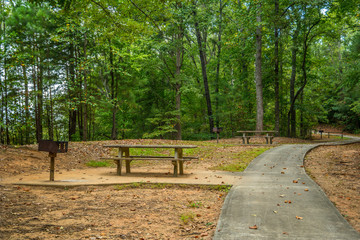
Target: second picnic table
[(246, 135), (177, 159)]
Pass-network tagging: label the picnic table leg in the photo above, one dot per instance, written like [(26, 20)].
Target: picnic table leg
[(247, 140), (175, 163), (119, 162), (179, 155), (127, 162)]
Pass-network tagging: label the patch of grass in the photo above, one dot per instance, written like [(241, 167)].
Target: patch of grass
[(145, 185), (222, 188), (150, 152), (187, 217), (242, 160), (94, 163), (131, 185), (234, 167), (195, 204)]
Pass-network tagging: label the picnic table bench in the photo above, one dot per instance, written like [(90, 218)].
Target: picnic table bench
[(124, 155), (246, 135)]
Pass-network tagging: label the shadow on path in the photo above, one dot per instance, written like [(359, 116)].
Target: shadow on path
[(277, 196)]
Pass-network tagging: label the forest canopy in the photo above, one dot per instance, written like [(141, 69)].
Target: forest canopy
[(104, 69)]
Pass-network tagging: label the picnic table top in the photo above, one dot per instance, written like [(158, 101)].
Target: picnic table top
[(149, 146)]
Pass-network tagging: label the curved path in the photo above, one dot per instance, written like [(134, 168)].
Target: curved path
[(259, 199)]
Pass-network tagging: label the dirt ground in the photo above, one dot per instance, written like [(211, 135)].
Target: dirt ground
[(134, 211), (337, 170)]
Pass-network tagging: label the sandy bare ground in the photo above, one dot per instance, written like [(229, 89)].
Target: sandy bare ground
[(337, 170), (142, 210)]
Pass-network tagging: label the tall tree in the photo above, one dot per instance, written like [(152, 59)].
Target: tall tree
[(258, 72), (201, 41)]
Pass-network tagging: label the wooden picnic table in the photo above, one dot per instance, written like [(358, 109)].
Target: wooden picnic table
[(246, 135), (177, 159)]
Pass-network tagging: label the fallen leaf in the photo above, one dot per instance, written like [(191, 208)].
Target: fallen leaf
[(253, 227), (282, 172), (295, 181), (306, 190), (275, 211), (299, 218)]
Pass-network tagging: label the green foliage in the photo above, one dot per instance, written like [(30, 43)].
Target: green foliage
[(99, 70), (94, 163), (242, 160), (195, 204), (187, 217), (163, 124)]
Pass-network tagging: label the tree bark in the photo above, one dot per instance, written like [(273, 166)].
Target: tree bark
[(85, 113), (201, 47), (179, 61), (72, 111), (113, 95), (292, 112), (276, 70), (217, 78), (39, 96), (303, 65), (258, 74)]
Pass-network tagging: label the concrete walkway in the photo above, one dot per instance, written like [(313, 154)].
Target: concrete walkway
[(261, 195)]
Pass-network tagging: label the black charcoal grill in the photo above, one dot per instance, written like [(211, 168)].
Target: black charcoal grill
[(53, 147)]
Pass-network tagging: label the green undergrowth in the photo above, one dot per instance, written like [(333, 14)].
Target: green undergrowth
[(241, 160), (187, 217), (145, 185), (94, 163)]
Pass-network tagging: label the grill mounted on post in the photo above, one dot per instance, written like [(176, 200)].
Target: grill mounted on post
[(53, 147)]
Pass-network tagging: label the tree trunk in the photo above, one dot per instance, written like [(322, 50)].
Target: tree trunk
[(179, 61), (27, 112), (6, 109), (39, 84), (217, 78), (292, 112), (303, 66), (113, 95), (258, 74), (85, 92), (276, 70), (72, 111), (204, 74)]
